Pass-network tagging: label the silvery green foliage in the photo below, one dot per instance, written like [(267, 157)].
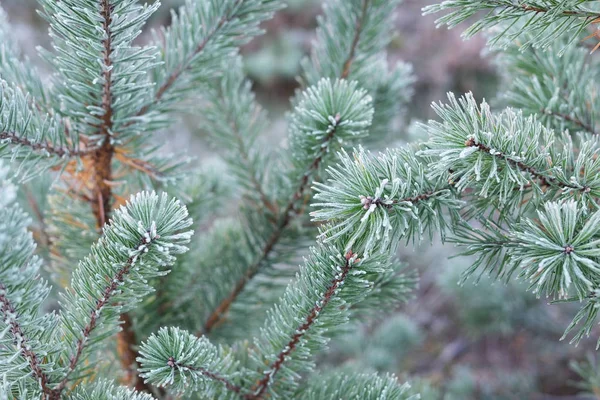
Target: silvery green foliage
[(351, 43), (339, 385), (32, 140), (556, 253), (234, 120), (202, 35), (274, 207), (509, 157), (100, 73), (27, 337), (328, 114), (140, 243), (17, 70), (381, 200), (105, 390), (561, 91), (312, 308), (544, 21), (41, 352), (192, 364), (105, 96)]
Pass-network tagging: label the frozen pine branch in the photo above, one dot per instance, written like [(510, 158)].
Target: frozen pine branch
[(556, 89), (544, 20)]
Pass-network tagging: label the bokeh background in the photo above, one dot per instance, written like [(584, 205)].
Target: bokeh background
[(476, 341)]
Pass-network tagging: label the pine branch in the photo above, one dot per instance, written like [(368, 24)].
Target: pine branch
[(343, 383), (259, 390), (499, 155), (137, 245), (175, 358), (566, 117), (544, 20), (233, 120), (27, 339), (8, 310), (381, 200), (554, 88), (105, 390), (352, 40), (102, 158), (34, 140), (312, 139), (116, 280), (225, 26)]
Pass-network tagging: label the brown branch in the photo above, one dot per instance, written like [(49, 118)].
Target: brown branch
[(57, 151), (587, 127), (20, 340), (262, 385), (107, 294), (358, 31), (545, 10), (102, 157), (35, 207), (216, 377), (217, 315), (102, 195), (368, 201), (245, 156), (140, 165), (545, 180)]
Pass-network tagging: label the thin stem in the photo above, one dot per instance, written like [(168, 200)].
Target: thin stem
[(545, 180), (569, 13), (264, 383), (46, 147), (245, 157), (21, 341), (35, 207), (102, 158), (354, 46), (209, 374), (587, 127)]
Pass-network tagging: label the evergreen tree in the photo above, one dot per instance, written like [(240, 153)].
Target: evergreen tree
[(233, 318)]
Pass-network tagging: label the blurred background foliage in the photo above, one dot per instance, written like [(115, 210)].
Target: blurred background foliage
[(475, 341)]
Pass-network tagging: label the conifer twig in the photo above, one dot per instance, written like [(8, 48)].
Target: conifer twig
[(102, 194), (311, 318), (172, 79), (216, 316), (221, 310), (357, 33), (107, 295), (587, 127), (9, 312)]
